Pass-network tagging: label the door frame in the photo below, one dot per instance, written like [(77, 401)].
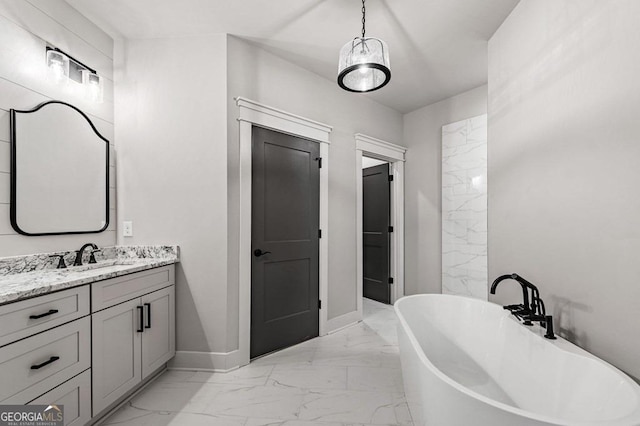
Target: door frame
[(254, 113), (395, 155)]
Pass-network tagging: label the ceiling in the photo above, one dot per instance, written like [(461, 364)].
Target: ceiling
[(438, 48)]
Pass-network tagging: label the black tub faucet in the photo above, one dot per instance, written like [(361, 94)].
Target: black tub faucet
[(517, 310), (79, 253), (532, 309)]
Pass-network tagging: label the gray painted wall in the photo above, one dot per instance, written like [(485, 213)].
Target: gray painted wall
[(423, 185), (563, 167), (171, 132), (25, 28), (178, 154), (258, 75)]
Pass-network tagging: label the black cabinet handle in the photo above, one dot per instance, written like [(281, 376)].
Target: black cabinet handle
[(49, 361), (258, 252), (46, 314), (140, 319), (148, 324)]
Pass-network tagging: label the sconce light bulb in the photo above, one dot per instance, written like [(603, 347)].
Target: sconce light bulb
[(93, 86), (57, 71), (57, 65)]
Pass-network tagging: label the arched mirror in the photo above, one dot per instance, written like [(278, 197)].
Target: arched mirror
[(59, 172)]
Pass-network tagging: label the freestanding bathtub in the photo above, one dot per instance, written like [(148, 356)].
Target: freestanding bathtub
[(466, 362)]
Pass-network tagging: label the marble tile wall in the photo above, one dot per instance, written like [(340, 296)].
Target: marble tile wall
[(464, 207)]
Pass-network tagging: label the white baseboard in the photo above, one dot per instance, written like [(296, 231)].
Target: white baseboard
[(205, 361), (338, 323)]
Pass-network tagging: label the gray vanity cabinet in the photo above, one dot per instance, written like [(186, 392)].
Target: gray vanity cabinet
[(158, 340), (116, 365), (75, 395), (131, 339)]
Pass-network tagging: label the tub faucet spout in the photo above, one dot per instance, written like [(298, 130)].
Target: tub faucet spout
[(517, 310), (528, 313)]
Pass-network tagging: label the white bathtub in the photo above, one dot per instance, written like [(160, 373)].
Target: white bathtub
[(466, 362)]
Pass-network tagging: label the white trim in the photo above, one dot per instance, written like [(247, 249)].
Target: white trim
[(282, 121), (395, 155), (324, 241), (380, 149), (343, 321), (205, 361), (359, 242), (250, 113)]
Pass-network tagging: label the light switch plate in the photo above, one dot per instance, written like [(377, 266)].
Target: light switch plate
[(127, 228)]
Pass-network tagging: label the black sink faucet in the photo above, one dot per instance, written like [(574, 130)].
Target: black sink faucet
[(532, 309), (79, 253)]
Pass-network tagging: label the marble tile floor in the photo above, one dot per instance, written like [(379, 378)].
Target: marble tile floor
[(348, 378)]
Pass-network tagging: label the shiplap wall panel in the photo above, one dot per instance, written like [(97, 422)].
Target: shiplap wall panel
[(16, 243), (4, 125), (16, 96), (25, 28), (112, 220), (5, 225), (4, 188), (67, 16), (34, 21), (5, 150), (104, 128), (6, 229), (22, 61)]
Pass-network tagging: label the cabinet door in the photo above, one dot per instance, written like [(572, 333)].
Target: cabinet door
[(116, 352), (75, 395), (158, 339)]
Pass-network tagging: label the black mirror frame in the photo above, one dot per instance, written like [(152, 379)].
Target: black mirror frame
[(13, 171)]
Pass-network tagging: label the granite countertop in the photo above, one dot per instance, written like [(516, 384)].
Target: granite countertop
[(22, 277)]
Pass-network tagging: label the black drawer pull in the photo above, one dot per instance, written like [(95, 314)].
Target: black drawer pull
[(140, 319), (46, 314), (148, 324), (49, 361)]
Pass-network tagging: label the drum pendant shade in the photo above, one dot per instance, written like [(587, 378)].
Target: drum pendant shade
[(364, 63)]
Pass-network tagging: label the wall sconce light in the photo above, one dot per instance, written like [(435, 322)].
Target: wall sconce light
[(63, 68), (58, 65), (92, 85)]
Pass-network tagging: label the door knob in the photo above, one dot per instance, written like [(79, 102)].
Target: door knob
[(258, 252)]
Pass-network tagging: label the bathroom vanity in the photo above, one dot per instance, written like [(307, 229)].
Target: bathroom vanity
[(88, 336)]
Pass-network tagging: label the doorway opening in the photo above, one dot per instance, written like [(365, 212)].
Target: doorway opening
[(285, 224), (376, 230), (389, 160), (250, 115)]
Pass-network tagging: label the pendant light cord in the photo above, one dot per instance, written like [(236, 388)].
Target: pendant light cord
[(363, 17)]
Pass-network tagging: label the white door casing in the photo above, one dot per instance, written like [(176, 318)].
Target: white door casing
[(254, 113), (395, 155)]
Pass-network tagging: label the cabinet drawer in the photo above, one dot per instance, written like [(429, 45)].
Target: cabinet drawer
[(23, 319), (117, 290), (75, 395), (35, 365)]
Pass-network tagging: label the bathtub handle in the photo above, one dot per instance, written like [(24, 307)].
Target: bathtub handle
[(548, 324)]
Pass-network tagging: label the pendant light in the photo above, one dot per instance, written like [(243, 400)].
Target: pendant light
[(364, 63)]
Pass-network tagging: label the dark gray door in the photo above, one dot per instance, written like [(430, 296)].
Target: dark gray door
[(375, 238), (284, 239)]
